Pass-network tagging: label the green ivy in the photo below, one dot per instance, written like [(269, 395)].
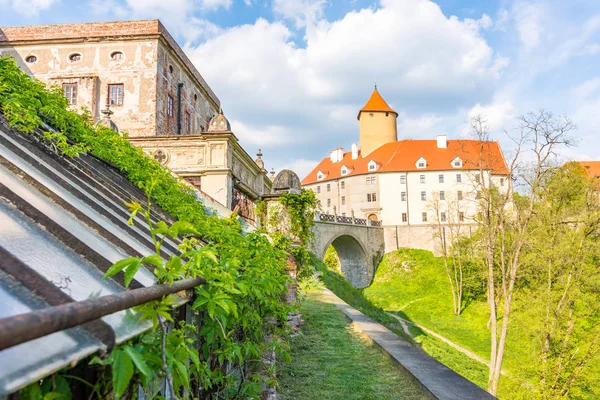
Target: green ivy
[(218, 357)]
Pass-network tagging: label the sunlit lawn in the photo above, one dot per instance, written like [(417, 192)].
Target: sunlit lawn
[(332, 361)]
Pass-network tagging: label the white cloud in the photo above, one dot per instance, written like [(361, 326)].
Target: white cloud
[(497, 114), (29, 8), (310, 91), (216, 4), (302, 12), (528, 17)]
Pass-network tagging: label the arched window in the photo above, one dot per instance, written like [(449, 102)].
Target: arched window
[(170, 68), (31, 59), (116, 55), (75, 57), (373, 217)]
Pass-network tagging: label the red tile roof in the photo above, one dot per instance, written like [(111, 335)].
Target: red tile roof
[(376, 103), (403, 155), (592, 167)]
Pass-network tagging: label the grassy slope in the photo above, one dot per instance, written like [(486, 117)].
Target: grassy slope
[(422, 294), (331, 361)]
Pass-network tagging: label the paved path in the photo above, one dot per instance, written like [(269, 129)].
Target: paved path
[(442, 382)]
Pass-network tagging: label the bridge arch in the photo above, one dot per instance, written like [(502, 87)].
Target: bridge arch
[(359, 248), (353, 259)]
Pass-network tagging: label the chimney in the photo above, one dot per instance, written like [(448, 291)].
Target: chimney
[(354, 151), (442, 143), (336, 155)]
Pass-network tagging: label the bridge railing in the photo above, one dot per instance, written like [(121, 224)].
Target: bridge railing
[(340, 219)]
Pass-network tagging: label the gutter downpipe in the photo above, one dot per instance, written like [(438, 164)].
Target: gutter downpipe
[(179, 87)]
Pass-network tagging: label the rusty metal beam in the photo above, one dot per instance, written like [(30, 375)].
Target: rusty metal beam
[(25, 327)]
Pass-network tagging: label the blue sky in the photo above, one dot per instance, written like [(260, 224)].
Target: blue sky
[(292, 74)]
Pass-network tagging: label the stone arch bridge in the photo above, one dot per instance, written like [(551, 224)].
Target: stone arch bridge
[(358, 243)]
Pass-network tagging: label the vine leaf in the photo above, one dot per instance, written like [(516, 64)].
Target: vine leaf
[(122, 371), (138, 360), (131, 270), (119, 266)]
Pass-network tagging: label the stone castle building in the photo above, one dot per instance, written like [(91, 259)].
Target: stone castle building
[(133, 76), (408, 185)]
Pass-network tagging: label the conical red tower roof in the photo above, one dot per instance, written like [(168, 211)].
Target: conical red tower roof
[(376, 103)]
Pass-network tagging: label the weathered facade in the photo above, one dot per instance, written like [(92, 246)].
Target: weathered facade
[(136, 67), (132, 76)]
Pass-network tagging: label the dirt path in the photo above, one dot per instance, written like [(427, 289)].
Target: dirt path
[(404, 323)]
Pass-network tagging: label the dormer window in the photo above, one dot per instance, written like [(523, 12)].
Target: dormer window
[(372, 165), (320, 176), (421, 163), (345, 170), (457, 163)]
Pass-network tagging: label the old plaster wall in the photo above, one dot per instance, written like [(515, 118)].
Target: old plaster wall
[(195, 101), (95, 71)]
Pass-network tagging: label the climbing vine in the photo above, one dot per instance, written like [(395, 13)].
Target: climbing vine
[(238, 307)]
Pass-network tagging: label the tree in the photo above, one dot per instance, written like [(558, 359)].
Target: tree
[(563, 262), (504, 224)]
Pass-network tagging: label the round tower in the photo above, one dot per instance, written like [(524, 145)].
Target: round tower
[(377, 124)]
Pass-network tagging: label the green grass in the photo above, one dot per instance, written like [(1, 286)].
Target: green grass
[(332, 361), (452, 358)]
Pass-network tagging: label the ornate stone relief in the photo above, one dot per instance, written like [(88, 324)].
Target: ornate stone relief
[(161, 156)]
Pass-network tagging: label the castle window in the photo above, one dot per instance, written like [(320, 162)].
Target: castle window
[(319, 189), (170, 68), (320, 175), (443, 216), (188, 123), (423, 196), (441, 178), (442, 195), (402, 179), (372, 166), (343, 200), (342, 184), (421, 163), (195, 97), (457, 162), (371, 180), (116, 56), (402, 196), (459, 195), (458, 178), (344, 170), (424, 216), (422, 178), (328, 202), (461, 216), (169, 106), (31, 59), (501, 181), (75, 57), (371, 197), (115, 94), (329, 187), (404, 217), (70, 92)]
